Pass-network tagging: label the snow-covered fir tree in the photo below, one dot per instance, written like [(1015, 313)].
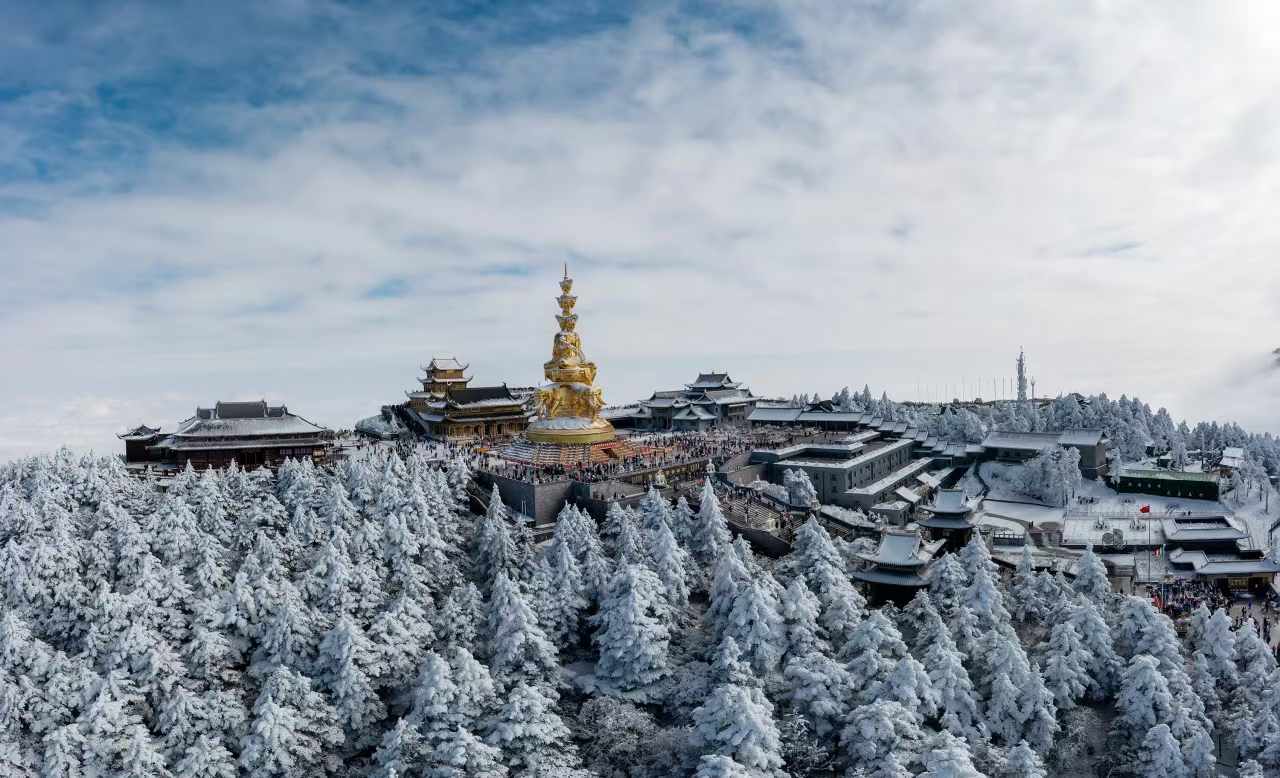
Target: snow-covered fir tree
[(632, 634)]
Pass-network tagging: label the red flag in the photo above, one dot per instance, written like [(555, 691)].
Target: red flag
[(1145, 509)]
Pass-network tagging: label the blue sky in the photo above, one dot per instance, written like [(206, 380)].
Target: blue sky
[(306, 200)]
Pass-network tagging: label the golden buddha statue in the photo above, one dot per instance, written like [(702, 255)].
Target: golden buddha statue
[(569, 404)]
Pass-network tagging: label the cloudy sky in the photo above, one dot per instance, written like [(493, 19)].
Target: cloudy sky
[(304, 201)]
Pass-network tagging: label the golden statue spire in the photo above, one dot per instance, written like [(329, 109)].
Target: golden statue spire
[(569, 403)]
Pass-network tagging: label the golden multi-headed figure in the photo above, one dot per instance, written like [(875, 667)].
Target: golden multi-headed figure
[(569, 404)]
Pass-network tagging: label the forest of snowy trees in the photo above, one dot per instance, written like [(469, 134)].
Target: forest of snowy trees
[(360, 622)]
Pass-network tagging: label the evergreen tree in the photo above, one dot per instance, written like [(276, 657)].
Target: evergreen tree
[(1144, 700), (1066, 665), (395, 754), (755, 623), (1091, 578), (631, 634), (682, 521), (1159, 755), (1218, 645), (710, 537), (528, 732), (1250, 769), (1024, 591), (284, 739), (461, 754), (476, 690), (564, 609), (737, 721), (949, 758), (956, 697), (495, 548), (670, 562), (717, 766), (459, 616), (518, 648), (347, 667), (873, 651), (1023, 762), (206, 758), (878, 736), (818, 687), (800, 609), (1103, 669)]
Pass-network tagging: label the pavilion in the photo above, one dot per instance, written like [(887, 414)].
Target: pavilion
[(899, 567)]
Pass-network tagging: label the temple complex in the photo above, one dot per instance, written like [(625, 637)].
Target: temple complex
[(711, 400), (569, 404)]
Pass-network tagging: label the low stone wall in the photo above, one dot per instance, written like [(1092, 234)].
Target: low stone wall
[(541, 501)]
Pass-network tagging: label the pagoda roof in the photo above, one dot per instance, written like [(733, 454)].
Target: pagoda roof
[(728, 396), (693, 413), (902, 548), (713, 381), (140, 432), (444, 363), (891, 577), (236, 419), (482, 396), (949, 501)]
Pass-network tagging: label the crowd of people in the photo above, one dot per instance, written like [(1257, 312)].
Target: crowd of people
[(642, 452), (1179, 599)]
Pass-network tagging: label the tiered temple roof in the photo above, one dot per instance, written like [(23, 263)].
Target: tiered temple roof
[(900, 560), (251, 433)]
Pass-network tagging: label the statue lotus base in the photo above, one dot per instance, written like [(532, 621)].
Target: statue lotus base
[(570, 431)]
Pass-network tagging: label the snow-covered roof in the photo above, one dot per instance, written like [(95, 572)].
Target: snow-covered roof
[(140, 432), (1081, 438), (1219, 564), (903, 473), (908, 495), (949, 501), (774, 414), (694, 413), (1027, 441), (482, 397), (728, 396), (665, 402), (712, 381), (234, 420), (205, 444), (1201, 529), (1232, 456), (1038, 441), (830, 416), (445, 363), (901, 548)]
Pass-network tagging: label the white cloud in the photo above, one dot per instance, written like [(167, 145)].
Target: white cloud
[(851, 198)]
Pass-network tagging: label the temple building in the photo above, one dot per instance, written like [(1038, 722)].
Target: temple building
[(949, 518), (712, 400), (899, 567), (447, 408), (252, 434)]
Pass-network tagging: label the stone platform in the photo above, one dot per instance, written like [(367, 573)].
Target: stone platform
[(534, 453)]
